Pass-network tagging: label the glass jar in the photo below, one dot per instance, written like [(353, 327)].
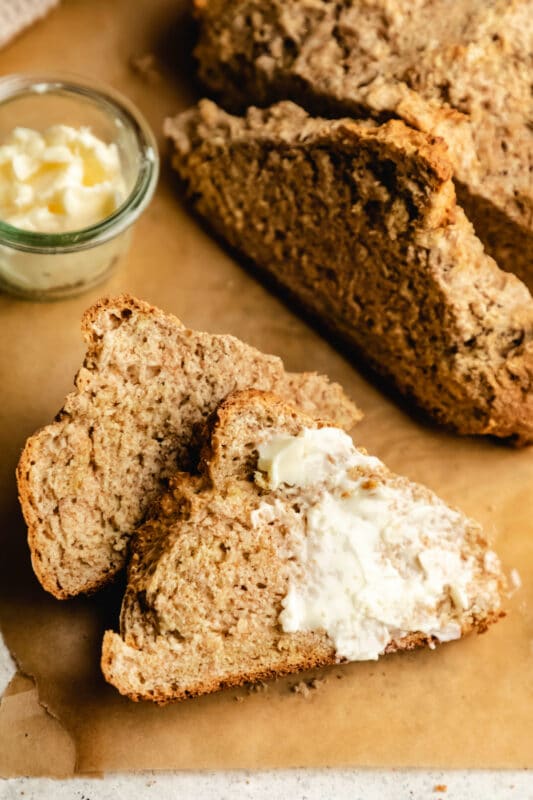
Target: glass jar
[(45, 266)]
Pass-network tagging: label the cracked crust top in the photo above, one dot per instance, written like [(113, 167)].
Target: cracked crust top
[(360, 224)]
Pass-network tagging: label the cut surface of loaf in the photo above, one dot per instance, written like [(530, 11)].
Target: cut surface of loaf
[(146, 383), (359, 222), (288, 549), (469, 82)]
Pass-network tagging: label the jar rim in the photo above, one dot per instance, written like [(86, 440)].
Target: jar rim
[(25, 84)]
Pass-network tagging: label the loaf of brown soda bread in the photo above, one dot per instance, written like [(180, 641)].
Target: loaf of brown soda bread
[(146, 384), (232, 553), (460, 70), (359, 222)]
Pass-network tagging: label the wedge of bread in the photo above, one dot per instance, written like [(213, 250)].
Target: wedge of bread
[(288, 549), (146, 382), (461, 71), (359, 222)]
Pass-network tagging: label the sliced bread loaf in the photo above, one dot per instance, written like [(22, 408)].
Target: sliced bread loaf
[(146, 383), (290, 549), (360, 223), (459, 70)]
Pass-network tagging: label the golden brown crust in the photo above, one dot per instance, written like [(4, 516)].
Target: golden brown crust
[(207, 687), (30, 515), (411, 642), (432, 150)]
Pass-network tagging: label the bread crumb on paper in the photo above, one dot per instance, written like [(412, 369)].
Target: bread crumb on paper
[(146, 66), (257, 688), (440, 787), (306, 688)]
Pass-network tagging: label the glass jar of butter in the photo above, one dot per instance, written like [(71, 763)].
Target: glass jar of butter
[(51, 263)]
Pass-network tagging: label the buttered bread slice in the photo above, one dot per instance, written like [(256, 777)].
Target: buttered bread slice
[(289, 549)]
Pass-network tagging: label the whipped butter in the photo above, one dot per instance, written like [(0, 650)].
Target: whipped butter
[(61, 179), (375, 559)]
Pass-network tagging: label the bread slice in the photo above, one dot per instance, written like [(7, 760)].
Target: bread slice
[(230, 556), (359, 222), (469, 81), (146, 382)]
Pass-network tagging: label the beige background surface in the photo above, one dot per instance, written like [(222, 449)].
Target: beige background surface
[(469, 703)]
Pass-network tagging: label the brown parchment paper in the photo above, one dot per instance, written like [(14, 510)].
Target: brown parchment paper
[(467, 704)]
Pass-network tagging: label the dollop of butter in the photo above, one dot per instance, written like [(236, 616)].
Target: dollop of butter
[(375, 558), (61, 179), (308, 458)]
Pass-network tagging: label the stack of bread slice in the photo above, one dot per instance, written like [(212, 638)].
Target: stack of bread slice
[(259, 541)]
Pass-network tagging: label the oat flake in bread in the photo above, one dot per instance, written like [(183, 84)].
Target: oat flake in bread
[(359, 223), (145, 385), (460, 69), (236, 575)]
